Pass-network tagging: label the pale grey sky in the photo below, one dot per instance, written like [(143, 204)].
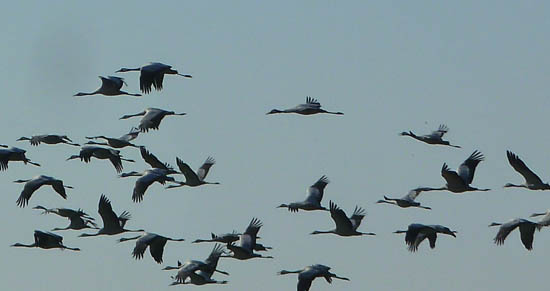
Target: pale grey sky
[(480, 67)]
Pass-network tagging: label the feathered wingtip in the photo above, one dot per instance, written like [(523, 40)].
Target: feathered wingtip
[(311, 100), (210, 160), (476, 156), (359, 211), (255, 222), (443, 128)]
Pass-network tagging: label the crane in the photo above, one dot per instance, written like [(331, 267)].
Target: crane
[(155, 243), (87, 152), (245, 249), (14, 154), (193, 179), (152, 74), (114, 142), (526, 230), (434, 138), (146, 179), (345, 226), (78, 218), (313, 199), (309, 273), (151, 118), (532, 181), (46, 240), (417, 233), (110, 86), (312, 106), (199, 273), (35, 140), (405, 201), (31, 185)]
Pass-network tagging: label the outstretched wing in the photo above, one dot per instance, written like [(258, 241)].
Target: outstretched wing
[(451, 177), (442, 130), (413, 194), (467, 169), (340, 218), (505, 230), (315, 192), (110, 220), (203, 170), (520, 167), (190, 176), (358, 215), (312, 102), (152, 160)]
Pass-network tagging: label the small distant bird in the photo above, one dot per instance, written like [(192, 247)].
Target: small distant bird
[(112, 224), (308, 274), (151, 118), (13, 154), (406, 201), (417, 233), (33, 184), (155, 243), (48, 139), (146, 179), (110, 86), (152, 74), (435, 138), (46, 240), (225, 238), (526, 229), (313, 199), (193, 179), (345, 226), (117, 143), (245, 249), (312, 106), (199, 273), (460, 182), (79, 219), (87, 152), (532, 181)]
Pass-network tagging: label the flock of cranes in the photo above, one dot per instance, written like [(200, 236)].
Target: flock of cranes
[(245, 245)]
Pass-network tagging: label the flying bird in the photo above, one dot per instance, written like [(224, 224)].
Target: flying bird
[(417, 233), (112, 224), (313, 199), (460, 182), (78, 218), (87, 152), (435, 138), (406, 201), (110, 86), (146, 179), (48, 139), (247, 243), (46, 240), (14, 154), (526, 230), (312, 106), (198, 276), (345, 226), (308, 274), (151, 118), (226, 238), (155, 243), (193, 179), (532, 181), (114, 142), (152, 74), (31, 185)]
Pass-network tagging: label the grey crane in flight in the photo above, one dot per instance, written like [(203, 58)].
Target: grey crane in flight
[(247, 243), (192, 178), (35, 140), (198, 273), (312, 106), (87, 152), (31, 185), (406, 201), (152, 75), (155, 243), (417, 233), (151, 118), (526, 230), (309, 273), (117, 142), (112, 224), (78, 218), (532, 181), (434, 138), (46, 240), (313, 199), (110, 86), (14, 154), (146, 179), (345, 226)]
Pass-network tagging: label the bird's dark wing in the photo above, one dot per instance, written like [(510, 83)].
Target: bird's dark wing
[(156, 248), (518, 165), (146, 81), (152, 160), (527, 232), (315, 192), (190, 176), (467, 169), (110, 220), (358, 215), (58, 187), (203, 170), (451, 177), (340, 218)]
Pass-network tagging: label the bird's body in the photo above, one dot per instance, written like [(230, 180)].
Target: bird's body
[(459, 182), (526, 229), (146, 179), (345, 226), (87, 152), (14, 154), (112, 224), (78, 218), (110, 86), (114, 142), (417, 233), (31, 185), (151, 118), (199, 273), (193, 179), (46, 240), (35, 140), (309, 273), (313, 199), (434, 138), (312, 106), (155, 243), (406, 201), (532, 181), (152, 75), (247, 243)]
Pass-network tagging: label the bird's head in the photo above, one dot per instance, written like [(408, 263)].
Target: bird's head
[(73, 157), (122, 70), (282, 206), (274, 111), (494, 224)]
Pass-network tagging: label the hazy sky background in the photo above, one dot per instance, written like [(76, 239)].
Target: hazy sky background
[(480, 67)]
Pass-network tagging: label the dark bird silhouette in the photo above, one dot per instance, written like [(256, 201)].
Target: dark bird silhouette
[(193, 179), (434, 138), (417, 233), (35, 140), (406, 201), (14, 154), (313, 199), (78, 218), (532, 181), (308, 274), (31, 185), (110, 86), (155, 243), (152, 74), (526, 230), (312, 106), (46, 240), (87, 152), (151, 118), (345, 226)]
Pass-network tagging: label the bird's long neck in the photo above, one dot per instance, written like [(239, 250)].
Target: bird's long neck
[(169, 268), (128, 238), (426, 189), (129, 94), (97, 143), (332, 112), (495, 224), (86, 94), (338, 277), (20, 245), (400, 231), (90, 234), (133, 230), (284, 272), (510, 185), (175, 239), (21, 181), (367, 233), (323, 231), (384, 201)]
